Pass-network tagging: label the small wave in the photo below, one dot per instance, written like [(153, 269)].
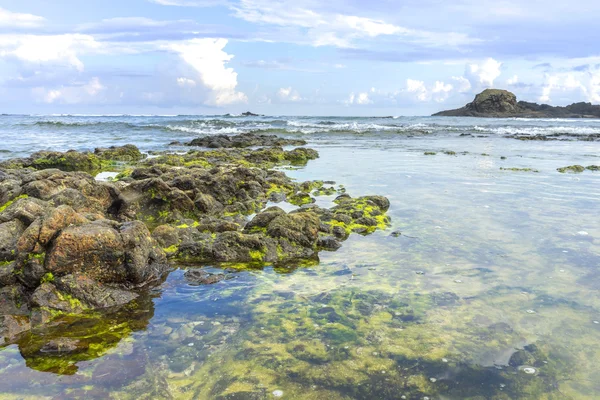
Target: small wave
[(203, 131), (547, 130)]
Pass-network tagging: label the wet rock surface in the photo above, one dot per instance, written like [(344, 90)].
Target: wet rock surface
[(71, 246), (244, 140)]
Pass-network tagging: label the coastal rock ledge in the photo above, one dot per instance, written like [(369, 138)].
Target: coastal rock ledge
[(74, 247), (496, 103)]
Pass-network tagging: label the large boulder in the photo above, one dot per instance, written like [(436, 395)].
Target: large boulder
[(108, 252), (300, 228), (9, 234), (90, 293)]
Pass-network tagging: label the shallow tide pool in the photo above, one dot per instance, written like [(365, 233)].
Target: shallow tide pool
[(488, 289)]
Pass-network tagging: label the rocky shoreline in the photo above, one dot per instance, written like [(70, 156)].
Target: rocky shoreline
[(72, 246)]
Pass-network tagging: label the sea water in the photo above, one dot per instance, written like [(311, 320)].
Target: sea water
[(489, 288)]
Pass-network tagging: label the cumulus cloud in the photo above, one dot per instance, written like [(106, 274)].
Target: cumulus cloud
[(586, 84), (437, 92), (513, 81), (358, 99), (186, 82), (72, 94), (418, 88), (61, 50), (18, 20), (289, 94), (207, 58), (463, 84), (483, 74)]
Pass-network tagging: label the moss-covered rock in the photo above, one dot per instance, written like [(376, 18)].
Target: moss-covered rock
[(243, 140), (126, 153), (572, 169), (69, 161)]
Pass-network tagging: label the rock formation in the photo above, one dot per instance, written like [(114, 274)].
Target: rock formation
[(495, 103)]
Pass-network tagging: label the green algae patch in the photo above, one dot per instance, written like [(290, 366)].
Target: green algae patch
[(69, 161), (48, 278), (10, 202), (300, 199), (519, 169), (71, 339), (362, 215), (577, 169), (572, 169)]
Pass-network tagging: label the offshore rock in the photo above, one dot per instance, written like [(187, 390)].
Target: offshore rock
[(497, 103)]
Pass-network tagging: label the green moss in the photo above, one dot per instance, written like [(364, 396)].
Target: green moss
[(573, 169), (450, 153), (257, 255), (300, 199), (185, 226), (430, 153), (126, 173), (41, 257), (9, 203), (171, 249), (519, 169), (48, 278), (74, 303), (69, 161)]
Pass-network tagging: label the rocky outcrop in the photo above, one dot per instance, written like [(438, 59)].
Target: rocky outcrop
[(497, 103), (72, 245), (243, 140)]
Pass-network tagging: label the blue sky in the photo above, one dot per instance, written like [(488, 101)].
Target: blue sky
[(301, 57)]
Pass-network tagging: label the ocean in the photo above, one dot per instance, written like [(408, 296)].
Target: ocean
[(487, 290)]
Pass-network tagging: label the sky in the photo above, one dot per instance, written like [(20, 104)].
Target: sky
[(292, 57)]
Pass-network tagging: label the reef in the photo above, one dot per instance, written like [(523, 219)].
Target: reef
[(243, 140), (73, 248), (495, 103)]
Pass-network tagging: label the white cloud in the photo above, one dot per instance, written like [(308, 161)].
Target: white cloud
[(484, 73), (439, 92), (73, 94), (359, 99), (305, 25), (586, 84), (62, 50), (18, 20), (207, 58), (463, 84), (289, 94), (186, 82), (418, 88), (512, 81)]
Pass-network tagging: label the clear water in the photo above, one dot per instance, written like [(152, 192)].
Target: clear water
[(490, 263)]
